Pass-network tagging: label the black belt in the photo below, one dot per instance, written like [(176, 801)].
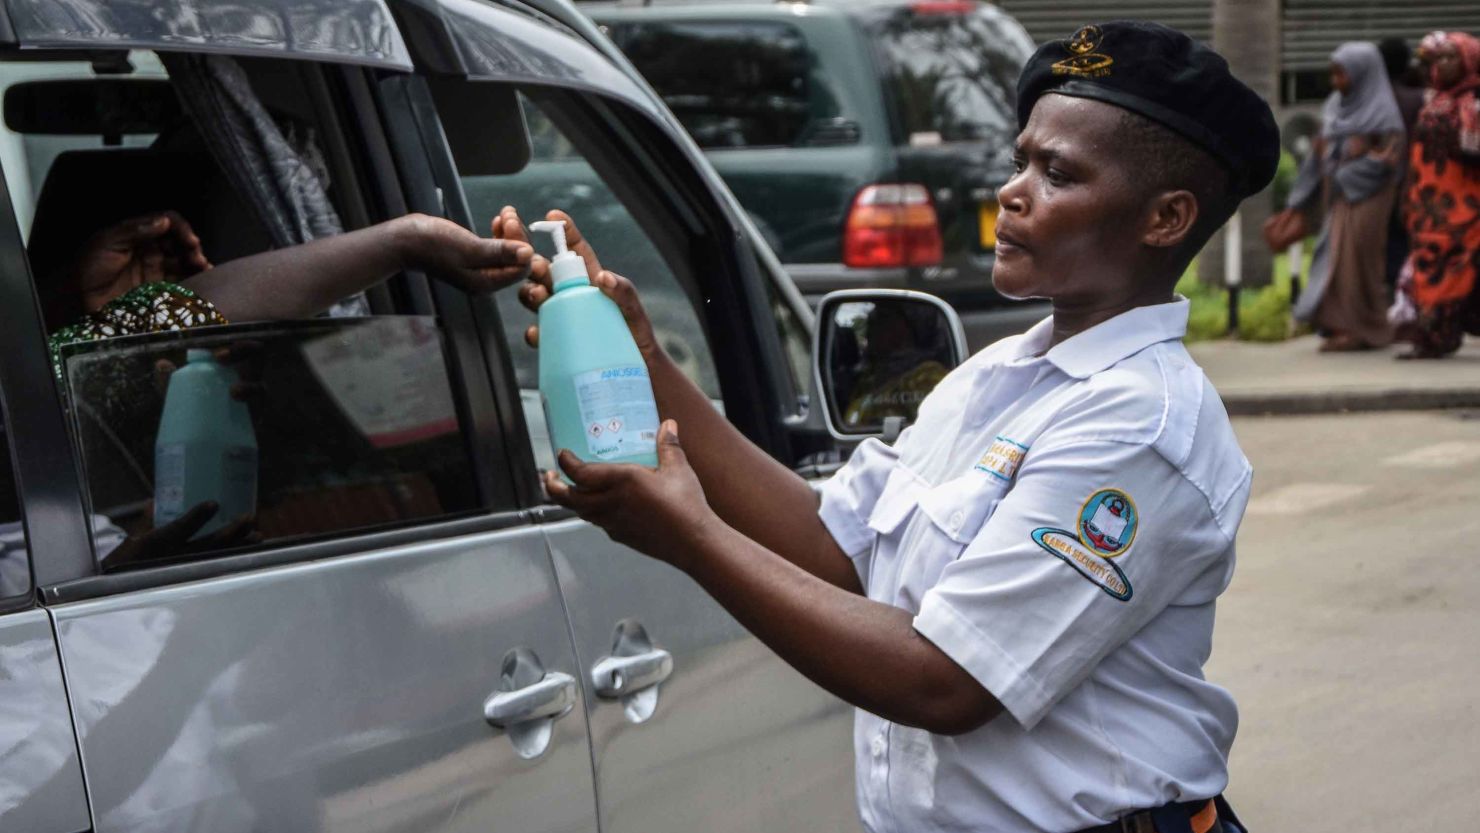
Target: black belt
[(1178, 817)]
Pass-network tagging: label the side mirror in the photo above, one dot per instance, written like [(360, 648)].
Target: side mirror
[(878, 353)]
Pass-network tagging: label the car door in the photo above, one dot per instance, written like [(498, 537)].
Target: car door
[(392, 654), (694, 724)]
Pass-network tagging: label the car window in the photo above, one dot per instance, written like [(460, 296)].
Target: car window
[(559, 176), (196, 435), (950, 76), (291, 429), (737, 84)]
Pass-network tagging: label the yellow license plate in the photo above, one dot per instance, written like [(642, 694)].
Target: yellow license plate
[(988, 215)]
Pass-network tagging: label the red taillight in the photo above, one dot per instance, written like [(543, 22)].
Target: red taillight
[(890, 226)]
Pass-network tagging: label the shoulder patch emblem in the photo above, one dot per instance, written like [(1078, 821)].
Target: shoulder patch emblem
[(1101, 572), (1106, 528), (1002, 458), (1107, 522)]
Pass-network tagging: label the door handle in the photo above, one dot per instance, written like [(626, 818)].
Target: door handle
[(632, 672), (528, 701), (615, 677), (551, 697)]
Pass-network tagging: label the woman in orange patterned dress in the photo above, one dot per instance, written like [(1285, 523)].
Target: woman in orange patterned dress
[(1442, 209)]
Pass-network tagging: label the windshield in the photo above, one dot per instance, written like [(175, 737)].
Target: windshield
[(950, 76)]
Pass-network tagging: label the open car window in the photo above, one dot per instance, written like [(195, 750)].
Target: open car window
[(197, 435), (558, 175)]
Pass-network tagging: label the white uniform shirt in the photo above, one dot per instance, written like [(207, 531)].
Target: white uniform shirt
[(1060, 524)]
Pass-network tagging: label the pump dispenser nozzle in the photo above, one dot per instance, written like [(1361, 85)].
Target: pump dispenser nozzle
[(566, 268)]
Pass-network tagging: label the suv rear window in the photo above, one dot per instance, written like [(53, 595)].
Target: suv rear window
[(734, 84), (950, 76)]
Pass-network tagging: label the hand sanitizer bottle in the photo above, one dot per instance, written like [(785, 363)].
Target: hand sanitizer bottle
[(594, 383), (206, 448)]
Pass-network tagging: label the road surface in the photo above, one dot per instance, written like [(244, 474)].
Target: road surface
[(1351, 634)]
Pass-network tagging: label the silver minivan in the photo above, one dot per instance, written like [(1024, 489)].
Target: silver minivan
[(410, 638)]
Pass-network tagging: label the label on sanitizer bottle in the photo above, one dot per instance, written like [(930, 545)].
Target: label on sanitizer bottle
[(617, 412)]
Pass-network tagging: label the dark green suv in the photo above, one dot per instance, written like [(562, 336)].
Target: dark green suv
[(866, 139)]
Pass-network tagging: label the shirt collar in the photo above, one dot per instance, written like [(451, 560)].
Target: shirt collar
[(1108, 342)]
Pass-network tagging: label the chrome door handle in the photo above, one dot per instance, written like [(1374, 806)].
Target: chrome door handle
[(551, 697), (615, 677), (528, 701)]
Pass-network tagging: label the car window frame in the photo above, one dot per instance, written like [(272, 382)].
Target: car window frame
[(48, 478), (57, 500), (675, 211)]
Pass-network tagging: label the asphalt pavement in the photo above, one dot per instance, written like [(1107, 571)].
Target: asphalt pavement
[(1348, 636)]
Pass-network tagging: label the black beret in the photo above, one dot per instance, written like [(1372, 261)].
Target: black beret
[(1162, 74)]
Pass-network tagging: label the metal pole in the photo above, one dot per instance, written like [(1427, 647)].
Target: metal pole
[(1296, 256), (1233, 267)]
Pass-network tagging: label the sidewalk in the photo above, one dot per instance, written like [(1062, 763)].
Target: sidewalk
[(1292, 378)]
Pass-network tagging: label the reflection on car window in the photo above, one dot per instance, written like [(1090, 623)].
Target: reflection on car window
[(228, 436), (735, 84), (559, 177), (951, 77)]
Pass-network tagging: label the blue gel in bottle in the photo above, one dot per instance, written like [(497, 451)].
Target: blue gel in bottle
[(594, 384), (206, 448)]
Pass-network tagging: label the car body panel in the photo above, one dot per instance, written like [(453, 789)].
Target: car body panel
[(738, 742), (338, 695), (349, 31), (41, 789)]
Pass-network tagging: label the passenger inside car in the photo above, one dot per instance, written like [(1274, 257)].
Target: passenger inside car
[(139, 227), (149, 274)]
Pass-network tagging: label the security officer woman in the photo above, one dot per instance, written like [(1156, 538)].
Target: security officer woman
[(1018, 594)]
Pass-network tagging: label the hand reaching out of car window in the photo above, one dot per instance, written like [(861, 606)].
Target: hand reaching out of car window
[(537, 288), (451, 253), (131, 253)]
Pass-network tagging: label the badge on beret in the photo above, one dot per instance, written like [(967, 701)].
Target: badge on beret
[(1165, 76), (1084, 61), (1106, 528)]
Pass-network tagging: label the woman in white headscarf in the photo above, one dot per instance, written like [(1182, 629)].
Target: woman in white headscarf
[(1354, 173)]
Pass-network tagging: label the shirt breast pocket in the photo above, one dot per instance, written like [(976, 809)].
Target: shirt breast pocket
[(922, 528), (959, 508)]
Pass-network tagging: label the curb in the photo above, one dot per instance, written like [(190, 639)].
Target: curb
[(1349, 401)]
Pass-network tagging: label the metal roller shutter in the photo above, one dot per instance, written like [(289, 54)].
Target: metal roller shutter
[(1048, 20), (1313, 28)]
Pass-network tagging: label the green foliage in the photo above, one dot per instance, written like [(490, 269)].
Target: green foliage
[(1263, 314)]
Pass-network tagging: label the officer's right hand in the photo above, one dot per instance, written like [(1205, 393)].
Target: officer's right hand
[(537, 288)]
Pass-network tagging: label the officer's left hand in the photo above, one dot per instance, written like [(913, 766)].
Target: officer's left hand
[(661, 512)]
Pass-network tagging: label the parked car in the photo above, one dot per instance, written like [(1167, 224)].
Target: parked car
[(418, 641), (866, 139)]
